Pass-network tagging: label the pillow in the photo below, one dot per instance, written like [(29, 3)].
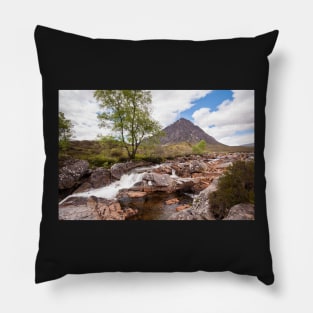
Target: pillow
[(170, 183)]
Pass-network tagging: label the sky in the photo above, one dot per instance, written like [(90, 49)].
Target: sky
[(227, 115)]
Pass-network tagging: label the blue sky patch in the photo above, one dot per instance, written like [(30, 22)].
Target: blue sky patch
[(211, 100), (244, 132)]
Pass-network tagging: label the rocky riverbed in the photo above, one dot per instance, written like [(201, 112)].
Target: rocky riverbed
[(174, 190)]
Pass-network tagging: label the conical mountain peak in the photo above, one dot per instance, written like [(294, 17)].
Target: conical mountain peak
[(184, 130)]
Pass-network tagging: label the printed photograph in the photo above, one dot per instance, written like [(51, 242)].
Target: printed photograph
[(132, 155)]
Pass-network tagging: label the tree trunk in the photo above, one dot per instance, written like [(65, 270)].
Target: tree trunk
[(133, 155)]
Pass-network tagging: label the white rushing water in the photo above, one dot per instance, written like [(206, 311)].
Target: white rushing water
[(110, 191), (174, 174)]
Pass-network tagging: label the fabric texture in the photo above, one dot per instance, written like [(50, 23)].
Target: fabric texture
[(72, 62)]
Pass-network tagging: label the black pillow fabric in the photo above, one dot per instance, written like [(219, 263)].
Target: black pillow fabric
[(70, 62)]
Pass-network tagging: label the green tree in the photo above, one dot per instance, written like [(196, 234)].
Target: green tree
[(200, 147), (65, 131), (127, 113)]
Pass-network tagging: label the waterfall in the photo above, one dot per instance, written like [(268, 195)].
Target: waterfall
[(174, 174), (109, 192)]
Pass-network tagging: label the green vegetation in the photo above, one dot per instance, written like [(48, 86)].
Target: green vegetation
[(128, 114), (106, 151), (65, 131), (236, 186), (199, 148), (99, 153)]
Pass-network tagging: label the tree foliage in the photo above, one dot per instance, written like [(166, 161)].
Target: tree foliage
[(236, 186), (65, 131), (128, 114), (199, 148)]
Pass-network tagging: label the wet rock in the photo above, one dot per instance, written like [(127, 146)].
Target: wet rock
[(92, 202), (171, 201), (111, 210), (129, 212), (100, 177), (114, 212), (81, 212), (71, 172), (242, 211), (204, 180), (162, 180), (136, 194), (201, 206), (186, 184), (163, 169), (158, 182), (93, 208), (196, 166), (84, 187), (182, 216), (181, 169), (76, 208), (119, 169), (196, 175), (182, 207), (224, 165)]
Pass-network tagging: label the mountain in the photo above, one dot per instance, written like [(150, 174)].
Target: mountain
[(248, 145), (185, 131)]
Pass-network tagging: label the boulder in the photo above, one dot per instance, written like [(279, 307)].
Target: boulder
[(204, 180), (162, 180), (163, 169), (109, 210), (200, 209), (93, 208), (186, 184), (242, 211), (158, 182), (119, 169), (196, 166), (83, 187), (71, 173), (201, 206), (76, 208), (184, 215), (100, 177), (181, 169)]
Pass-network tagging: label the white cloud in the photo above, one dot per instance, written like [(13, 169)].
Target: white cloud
[(223, 124), (231, 116), (81, 108), (168, 104), (238, 140)]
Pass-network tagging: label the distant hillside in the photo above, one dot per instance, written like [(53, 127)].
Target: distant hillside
[(185, 131), (248, 145)]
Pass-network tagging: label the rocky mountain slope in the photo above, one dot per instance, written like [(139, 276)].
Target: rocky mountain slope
[(185, 131)]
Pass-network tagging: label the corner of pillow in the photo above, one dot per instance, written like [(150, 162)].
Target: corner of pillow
[(267, 41)]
